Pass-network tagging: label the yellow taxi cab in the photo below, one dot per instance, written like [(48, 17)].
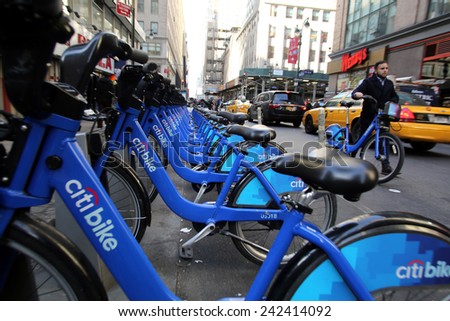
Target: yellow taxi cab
[(420, 125), (236, 106)]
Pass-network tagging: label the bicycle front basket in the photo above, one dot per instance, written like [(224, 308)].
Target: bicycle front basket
[(392, 110)]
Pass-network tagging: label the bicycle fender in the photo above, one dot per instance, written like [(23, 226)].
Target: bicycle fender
[(250, 192), (61, 246)]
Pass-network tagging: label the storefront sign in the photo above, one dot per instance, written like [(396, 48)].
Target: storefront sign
[(356, 59), (123, 9), (106, 65)]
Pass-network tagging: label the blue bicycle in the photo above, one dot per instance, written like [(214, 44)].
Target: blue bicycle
[(350, 261), (376, 145), (251, 233)]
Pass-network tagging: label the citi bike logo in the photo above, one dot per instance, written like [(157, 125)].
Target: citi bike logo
[(167, 127), (297, 183), (144, 154), (266, 156), (86, 200), (160, 135), (417, 269)]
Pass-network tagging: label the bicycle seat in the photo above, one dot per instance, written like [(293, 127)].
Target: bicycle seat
[(331, 170), (237, 118), (257, 133), (218, 119)]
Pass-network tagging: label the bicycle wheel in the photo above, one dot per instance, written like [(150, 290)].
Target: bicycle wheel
[(391, 151), (133, 161), (39, 263), (255, 238), (128, 195), (411, 267)]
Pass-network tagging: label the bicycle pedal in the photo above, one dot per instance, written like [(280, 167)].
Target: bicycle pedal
[(186, 253)]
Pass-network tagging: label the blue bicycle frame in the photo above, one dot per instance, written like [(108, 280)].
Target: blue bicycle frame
[(61, 166), (334, 141)]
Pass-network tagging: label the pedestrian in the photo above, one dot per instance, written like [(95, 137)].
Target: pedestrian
[(218, 104), (380, 88)]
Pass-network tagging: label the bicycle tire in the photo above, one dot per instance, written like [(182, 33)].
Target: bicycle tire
[(128, 194), (396, 155), (45, 265), (133, 161), (367, 238), (264, 233)]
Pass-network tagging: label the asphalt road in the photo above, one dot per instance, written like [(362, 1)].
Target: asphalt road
[(218, 270)]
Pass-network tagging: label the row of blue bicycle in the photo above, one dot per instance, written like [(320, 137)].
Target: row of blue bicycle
[(278, 207)]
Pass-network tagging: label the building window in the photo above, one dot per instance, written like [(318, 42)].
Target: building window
[(108, 22), (326, 16), (154, 27), (324, 37), (313, 36), (323, 56), (154, 49), (270, 52), (368, 20), (315, 15), (289, 12), (273, 10), (438, 8), (140, 6), (82, 7), (287, 33), (272, 31), (97, 17), (299, 13), (312, 55), (154, 7)]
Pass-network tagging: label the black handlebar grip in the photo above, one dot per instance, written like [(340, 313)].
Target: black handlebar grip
[(139, 56)]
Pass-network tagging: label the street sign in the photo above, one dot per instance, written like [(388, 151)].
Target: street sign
[(302, 73), (123, 9)]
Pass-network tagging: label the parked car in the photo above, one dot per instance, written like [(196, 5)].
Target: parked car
[(236, 106), (278, 106), (420, 125)]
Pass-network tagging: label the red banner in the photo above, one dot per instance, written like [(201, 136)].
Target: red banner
[(293, 51), (123, 9)]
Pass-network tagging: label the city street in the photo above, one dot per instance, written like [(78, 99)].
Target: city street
[(218, 270)]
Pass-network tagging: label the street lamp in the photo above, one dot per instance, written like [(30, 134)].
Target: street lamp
[(298, 33)]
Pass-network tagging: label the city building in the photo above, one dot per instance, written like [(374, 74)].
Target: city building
[(262, 51), (165, 38), (412, 35), (216, 42)]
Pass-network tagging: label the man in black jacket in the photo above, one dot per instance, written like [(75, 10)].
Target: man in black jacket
[(380, 88)]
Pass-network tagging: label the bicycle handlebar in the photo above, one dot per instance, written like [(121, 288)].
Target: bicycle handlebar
[(79, 61), (133, 54)]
